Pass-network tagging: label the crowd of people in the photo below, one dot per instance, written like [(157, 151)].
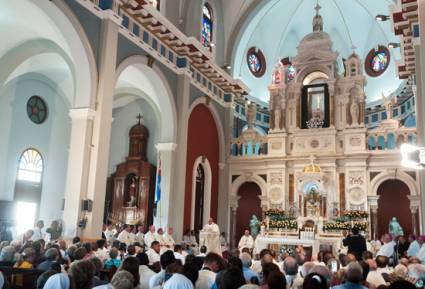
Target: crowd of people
[(127, 257)]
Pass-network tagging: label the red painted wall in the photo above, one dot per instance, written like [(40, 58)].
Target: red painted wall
[(202, 140), (393, 202), (248, 205)]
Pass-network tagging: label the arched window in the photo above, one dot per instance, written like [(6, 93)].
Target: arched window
[(199, 197), (30, 166), (207, 25)]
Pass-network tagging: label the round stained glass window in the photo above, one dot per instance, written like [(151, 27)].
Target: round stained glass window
[(36, 109), (377, 61), (256, 62)]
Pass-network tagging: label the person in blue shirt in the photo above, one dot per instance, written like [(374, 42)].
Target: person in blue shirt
[(113, 262), (246, 263)]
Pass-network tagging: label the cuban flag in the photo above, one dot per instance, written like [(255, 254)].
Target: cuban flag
[(158, 184)]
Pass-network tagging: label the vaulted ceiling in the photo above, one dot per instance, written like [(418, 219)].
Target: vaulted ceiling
[(277, 26)]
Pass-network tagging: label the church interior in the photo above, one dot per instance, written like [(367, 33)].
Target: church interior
[(295, 120)]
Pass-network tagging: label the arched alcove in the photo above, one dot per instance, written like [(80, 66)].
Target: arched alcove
[(249, 204), (393, 202), (203, 140)]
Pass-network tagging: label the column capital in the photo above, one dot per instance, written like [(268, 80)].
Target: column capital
[(82, 113), (415, 201), (233, 202), (169, 146), (373, 200)]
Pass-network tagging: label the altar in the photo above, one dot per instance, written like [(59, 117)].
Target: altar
[(265, 242)]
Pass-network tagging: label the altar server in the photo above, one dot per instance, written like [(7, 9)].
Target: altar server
[(246, 241)]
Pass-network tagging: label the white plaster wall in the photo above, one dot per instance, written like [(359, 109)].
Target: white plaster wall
[(124, 118), (51, 139)]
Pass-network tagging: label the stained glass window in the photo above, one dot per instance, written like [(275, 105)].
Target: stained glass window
[(30, 166), (290, 73), (377, 61), (36, 109), (256, 62), (207, 26)]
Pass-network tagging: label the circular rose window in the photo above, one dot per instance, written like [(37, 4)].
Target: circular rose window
[(36, 109), (377, 61), (256, 62)]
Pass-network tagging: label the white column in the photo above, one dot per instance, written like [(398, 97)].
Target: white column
[(78, 167), (420, 94), (165, 154), (102, 128), (224, 177), (178, 182)]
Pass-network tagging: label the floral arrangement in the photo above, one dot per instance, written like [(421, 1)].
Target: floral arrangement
[(283, 224), (355, 214), (339, 226), (278, 215)]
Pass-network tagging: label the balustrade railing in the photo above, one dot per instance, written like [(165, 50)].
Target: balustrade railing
[(248, 148), (384, 139)]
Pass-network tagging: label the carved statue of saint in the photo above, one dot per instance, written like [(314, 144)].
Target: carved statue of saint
[(354, 111), (250, 114), (254, 223), (277, 117), (394, 228), (132, 193)]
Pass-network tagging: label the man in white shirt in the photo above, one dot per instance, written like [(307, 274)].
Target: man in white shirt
[(158, 279), (178, 253), (168, 239), (126, 236), (140, 236), (211, 234), (102, 252), (207, 274), (150, 237), (145, 272), (414, 246), (387, 248), (246, 241), (39, 233), (160, 238), (153, 253), (373, 277)]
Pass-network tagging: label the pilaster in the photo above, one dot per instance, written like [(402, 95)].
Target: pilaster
[(372, 202), (78, 168), (102, 128), (178, 180)]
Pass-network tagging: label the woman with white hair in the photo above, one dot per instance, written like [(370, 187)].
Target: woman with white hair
[(58, 281)]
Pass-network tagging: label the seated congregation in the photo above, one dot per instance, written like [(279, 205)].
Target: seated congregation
[(127, 257)]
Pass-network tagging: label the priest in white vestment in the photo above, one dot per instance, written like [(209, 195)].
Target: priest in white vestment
[(169, 240), (126, 236), (149, 237), (246, 241), (211, 237)]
